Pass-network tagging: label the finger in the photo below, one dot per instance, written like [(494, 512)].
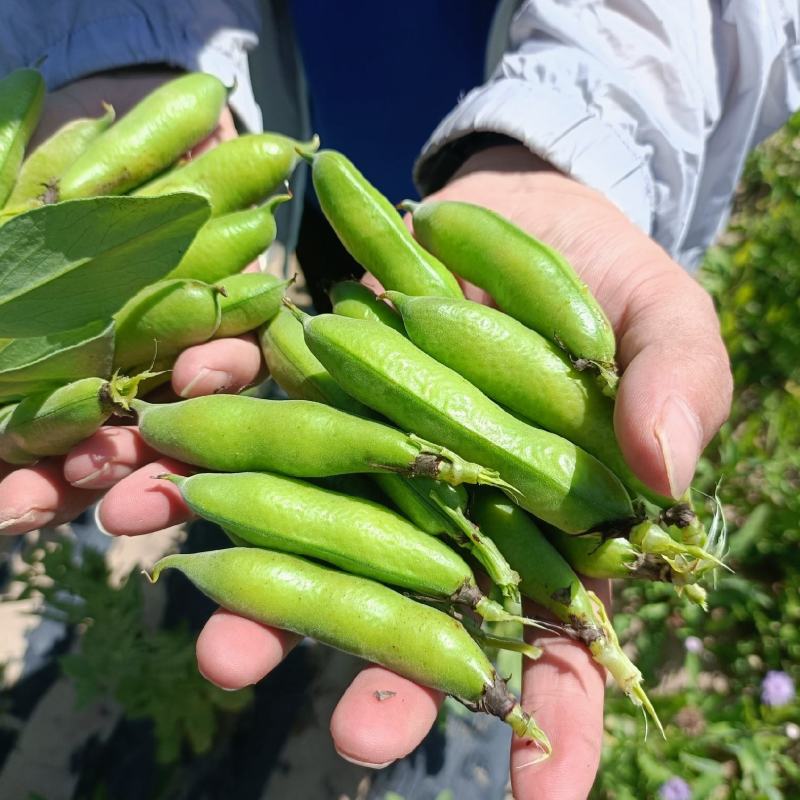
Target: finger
[(225, 130), (382, 717), (564, 691), (233, 652), (222, 365), (106, 457), (676, 385), (143, 503), (32, 497)]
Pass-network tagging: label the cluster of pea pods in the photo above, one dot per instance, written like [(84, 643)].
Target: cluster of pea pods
[(346, 522)]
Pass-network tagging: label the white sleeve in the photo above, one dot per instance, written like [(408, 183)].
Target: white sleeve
[(74, 38), (654, 103)]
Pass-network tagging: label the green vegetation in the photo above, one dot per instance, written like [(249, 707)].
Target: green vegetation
[(730, 733)]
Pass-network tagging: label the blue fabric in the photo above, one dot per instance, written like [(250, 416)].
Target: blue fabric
[(381, 76)]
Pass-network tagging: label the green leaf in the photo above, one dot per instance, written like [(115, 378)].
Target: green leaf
[(40, 363), (65, 265)]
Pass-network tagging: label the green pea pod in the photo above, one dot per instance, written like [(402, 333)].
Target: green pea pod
[(250, 300), (151, 136), (617, 558), (225, 245), (236, 173), (38, 178), (297, 371), (10, 451), (428, 504), (547, 579), (358, 536), (353, 299), (527, 279), (51, 423), (357, 616), (21, 99), (522, 371), (373, 232), (236, 433), (439, 510), (553, 478), (163, 319)]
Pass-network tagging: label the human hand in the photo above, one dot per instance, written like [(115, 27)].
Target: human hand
[(674, 394), (54, 491)]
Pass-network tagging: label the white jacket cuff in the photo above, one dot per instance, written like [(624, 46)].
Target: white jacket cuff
[(555, 128)]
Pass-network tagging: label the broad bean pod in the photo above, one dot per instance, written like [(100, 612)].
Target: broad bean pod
[(21, 99), (553, 478), (151, 136), (527, 279), (357, 616), (359, 536), (235, 433)]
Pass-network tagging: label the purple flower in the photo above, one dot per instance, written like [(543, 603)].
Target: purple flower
[(675, 789), (777, 688), (693, 644)]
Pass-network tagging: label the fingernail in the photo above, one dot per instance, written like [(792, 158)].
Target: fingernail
[(224, 688), (213, 380), (365, 763), (98, 524), (29, 521), (680, 438), (104, 477)]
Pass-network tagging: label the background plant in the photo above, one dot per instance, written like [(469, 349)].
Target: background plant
[(726, 679)]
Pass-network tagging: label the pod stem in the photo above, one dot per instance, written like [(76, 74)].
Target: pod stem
[(601, 639), (608, 378), (492, 640), (652, 540), (483, 548), (524, 726), (122, 390), (494, 612), (455, 470)]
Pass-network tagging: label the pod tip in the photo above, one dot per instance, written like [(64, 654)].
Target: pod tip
[(300, 315), (306, 150), (152, 576), (169, 476), (408, 205)]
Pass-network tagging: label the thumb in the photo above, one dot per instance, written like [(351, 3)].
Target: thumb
[(676, 385)]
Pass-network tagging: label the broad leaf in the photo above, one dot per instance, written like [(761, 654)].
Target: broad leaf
[(43, 362), (65, 265)]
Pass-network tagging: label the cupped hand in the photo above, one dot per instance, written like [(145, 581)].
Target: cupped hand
[(57, 490), (673, 396)]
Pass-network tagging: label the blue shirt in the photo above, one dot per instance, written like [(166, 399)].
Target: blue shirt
[(381, 76)]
